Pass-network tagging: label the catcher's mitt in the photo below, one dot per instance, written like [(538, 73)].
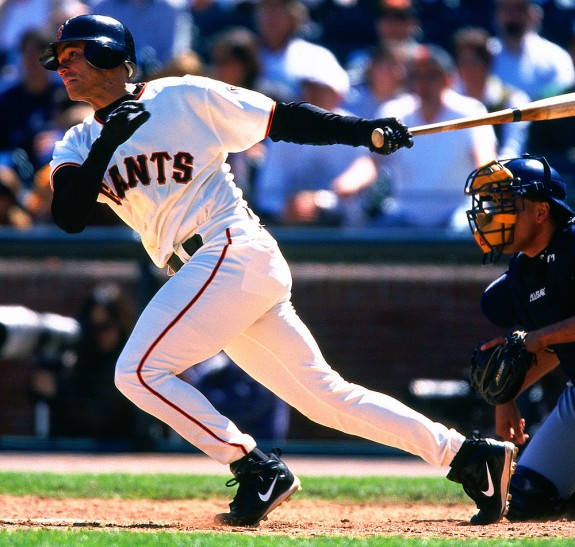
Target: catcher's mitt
[(498, 372)]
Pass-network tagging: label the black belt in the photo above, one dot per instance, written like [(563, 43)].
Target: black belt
[(190, 246)]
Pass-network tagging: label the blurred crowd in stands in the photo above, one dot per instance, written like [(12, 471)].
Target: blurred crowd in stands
[(422, 61)]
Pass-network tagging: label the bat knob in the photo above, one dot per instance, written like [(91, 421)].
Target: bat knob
[(377, 138)]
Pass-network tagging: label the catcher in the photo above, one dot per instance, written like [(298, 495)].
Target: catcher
[(519, 209)]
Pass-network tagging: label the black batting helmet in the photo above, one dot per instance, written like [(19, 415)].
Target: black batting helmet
[(109, 43)]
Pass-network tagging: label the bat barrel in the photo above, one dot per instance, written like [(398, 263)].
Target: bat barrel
[(501, 116), (551, 108)]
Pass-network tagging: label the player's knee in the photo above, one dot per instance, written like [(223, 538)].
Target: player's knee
[(533, 496), (121, 381), (125, 377)]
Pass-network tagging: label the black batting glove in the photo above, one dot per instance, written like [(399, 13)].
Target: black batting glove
[(395, 136), (122, 122)]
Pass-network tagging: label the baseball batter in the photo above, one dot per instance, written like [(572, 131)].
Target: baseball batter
[(531, 221), (156, 152)]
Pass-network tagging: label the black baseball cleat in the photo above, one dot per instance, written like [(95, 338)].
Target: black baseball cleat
[(484, 468), (264, 481)]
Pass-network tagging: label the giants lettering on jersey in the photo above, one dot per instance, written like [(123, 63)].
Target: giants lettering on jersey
[(145, 170), (537, 295)]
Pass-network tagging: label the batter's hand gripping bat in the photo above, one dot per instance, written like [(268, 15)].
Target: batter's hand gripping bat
[(560, 106)]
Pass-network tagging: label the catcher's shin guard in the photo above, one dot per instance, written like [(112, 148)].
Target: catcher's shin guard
[(484, 468), (533, 497)]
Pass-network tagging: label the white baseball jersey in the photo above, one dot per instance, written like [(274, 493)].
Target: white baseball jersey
[(170, 179)]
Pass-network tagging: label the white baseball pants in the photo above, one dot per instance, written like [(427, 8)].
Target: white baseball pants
[(234, 294)]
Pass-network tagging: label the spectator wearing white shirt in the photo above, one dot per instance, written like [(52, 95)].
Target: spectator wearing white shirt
[(284, 54), (385, 78), (523, 58), (474, 60), (320, 185), (425, 187)]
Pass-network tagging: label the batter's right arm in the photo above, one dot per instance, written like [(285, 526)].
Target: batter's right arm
[(76, 187)]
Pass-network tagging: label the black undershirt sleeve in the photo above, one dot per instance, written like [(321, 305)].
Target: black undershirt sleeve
[(304, 123), (76, 188)]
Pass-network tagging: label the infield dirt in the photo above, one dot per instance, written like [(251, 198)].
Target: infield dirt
[(297, 518)]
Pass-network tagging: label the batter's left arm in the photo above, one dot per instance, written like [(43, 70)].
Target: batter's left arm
[(304, 123)]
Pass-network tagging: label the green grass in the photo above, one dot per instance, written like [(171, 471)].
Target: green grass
[(94, 538), (366, 489), (353, 489)]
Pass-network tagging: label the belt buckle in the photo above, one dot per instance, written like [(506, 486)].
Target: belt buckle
[(174, 264)]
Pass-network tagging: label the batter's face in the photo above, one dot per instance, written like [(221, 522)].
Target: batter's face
[(84, 82)]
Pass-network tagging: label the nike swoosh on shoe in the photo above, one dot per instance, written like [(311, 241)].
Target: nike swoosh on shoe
[(267, 495), (490, 489)]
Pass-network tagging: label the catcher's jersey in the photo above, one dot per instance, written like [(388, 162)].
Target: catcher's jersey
[(536, 292), (170, 179)]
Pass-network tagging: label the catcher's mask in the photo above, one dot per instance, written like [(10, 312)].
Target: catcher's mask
[(109, 43), (498, 191)]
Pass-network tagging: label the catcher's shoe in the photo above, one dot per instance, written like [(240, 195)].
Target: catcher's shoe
[(264, 481), (484, 468)]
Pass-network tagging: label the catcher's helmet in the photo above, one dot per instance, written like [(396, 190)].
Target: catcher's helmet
[(109, 43), (494, 189)]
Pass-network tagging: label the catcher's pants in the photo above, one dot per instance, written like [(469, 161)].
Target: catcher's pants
[(550, 451), (234, 294)]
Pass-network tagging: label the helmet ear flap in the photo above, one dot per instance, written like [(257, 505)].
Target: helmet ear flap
[(102, 55), (105, 56)]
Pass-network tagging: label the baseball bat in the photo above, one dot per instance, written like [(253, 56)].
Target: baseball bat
[(560, 106)]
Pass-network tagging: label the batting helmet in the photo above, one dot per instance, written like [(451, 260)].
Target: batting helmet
[(109, 43), (494, 189)]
